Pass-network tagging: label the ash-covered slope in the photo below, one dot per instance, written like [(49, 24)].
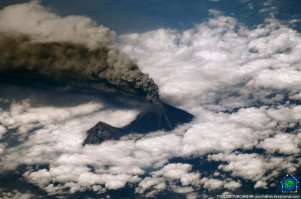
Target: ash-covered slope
[(157, 116)]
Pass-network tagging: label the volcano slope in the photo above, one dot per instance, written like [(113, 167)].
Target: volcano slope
[(156, 116)]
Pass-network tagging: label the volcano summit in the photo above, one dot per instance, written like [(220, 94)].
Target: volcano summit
[(157, 116)]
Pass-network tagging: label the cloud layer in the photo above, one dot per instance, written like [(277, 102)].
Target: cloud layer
[(220, 63)]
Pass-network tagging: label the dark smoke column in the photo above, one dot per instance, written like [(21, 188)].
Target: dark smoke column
[(122, 70), (60, 59), (71, 46)]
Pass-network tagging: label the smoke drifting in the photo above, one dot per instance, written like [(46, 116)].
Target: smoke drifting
[(73, 46)]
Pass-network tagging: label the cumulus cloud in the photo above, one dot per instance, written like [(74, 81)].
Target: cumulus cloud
[(59, 144), (213, 184), (168, 177), (222, 65), (255, 167), (283, 143), (219, 62), (2, 130), (15, 195)]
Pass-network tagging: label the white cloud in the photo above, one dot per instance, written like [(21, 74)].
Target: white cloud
[(127, 160), (282, 143), (2, 131), (285, 78), (215, 184), (260, 184), (198, 64), (180, 172), (255, 167), (232, 185), (14, 194), (168, 176), (44, 26), (212, 184)]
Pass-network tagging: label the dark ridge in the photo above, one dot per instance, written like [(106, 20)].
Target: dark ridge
[(157, 116), (101, 132)]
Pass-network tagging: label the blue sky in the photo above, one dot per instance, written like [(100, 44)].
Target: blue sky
[(143, 15)]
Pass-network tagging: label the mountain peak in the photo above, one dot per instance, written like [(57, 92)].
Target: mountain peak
[(101, 132), (156, 116)]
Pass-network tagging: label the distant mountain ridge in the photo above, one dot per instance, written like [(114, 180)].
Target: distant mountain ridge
[(157, 116)]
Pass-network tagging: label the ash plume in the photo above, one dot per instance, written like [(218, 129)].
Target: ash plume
[(39, 41)]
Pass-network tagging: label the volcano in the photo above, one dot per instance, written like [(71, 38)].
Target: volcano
[(101, 132), (156, 116)]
